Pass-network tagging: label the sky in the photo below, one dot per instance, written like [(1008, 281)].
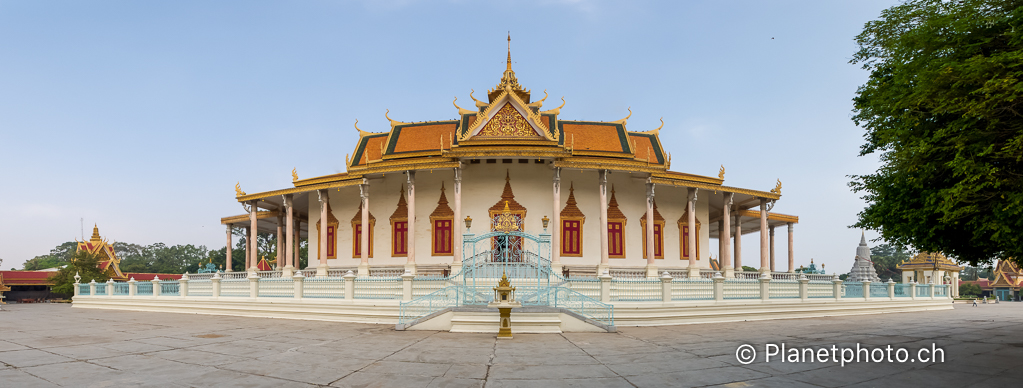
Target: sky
[(141, 116)]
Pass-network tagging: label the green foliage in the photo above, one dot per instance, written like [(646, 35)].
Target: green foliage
[(969, 290), (942, 109), (886, 259), (749, 269), (842, 277), (58, 256), (85, 265)]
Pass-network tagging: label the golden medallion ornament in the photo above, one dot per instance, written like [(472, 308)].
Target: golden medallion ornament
[(506, 221)]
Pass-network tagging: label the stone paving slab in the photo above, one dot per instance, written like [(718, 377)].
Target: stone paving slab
[(55, 345)]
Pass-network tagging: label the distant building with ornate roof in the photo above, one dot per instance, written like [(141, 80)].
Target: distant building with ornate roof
[(928, 267), (104, 250), (1008, 280)]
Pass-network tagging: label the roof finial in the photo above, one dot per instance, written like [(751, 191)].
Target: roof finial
[(509, 50)]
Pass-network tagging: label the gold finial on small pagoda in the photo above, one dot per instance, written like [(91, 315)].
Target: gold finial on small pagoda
[(238, 190), (721, 173), (504, 281), (509, 50), (777, 188), (95, 233), (294, 174), (506, 208)]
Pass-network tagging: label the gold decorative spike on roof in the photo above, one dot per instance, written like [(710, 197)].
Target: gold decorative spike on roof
[(294, 174), (777, 188), (460, 110), (442, 210), (571, 210), (721, 173), (508, 82), (238, 190), (95, 234), (401, 212)]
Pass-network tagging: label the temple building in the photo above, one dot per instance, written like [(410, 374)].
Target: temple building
[(928, 267), (411, 191), (104, 250), (1008, 281)]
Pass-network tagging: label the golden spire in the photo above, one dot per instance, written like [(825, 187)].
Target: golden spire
[(95, 233), (509, 50)]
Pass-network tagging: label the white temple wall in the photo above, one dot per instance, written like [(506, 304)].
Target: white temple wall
[(482, 185)]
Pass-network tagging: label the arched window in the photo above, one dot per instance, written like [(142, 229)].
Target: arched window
[(615, 229), (357, 230), (572, 220), (399, 227), (442, 219), (684, 230)]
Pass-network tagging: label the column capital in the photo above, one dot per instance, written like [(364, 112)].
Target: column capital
[(693, 194)]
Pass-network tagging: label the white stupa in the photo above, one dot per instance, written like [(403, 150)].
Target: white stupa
[(863, 269)]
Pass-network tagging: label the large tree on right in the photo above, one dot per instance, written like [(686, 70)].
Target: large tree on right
[(942, 109)]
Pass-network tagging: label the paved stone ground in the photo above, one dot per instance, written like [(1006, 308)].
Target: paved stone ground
[(50, 344)]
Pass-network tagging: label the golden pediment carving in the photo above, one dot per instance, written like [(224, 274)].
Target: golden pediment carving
[(507, 123)]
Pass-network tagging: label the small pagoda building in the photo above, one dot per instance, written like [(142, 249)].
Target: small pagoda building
[(931, 267)]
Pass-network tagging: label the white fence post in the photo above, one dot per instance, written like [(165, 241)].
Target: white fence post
[(666, 287), (891, 289), (406, 285), (110, 288), (719, 286), (183, 285), (133, 287), (765, 286), (253, 285), (912, 289), (836, 284), (349, 285), (92, 288), (78, 279), (156, 286), (866, 290), (605, 287), (299, 280), (215, 283), (932, 288), (804, 287)]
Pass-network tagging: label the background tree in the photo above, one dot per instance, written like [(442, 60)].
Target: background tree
[(84, 264), (942, 108), (58, 256), (886, 259), (967, 290)]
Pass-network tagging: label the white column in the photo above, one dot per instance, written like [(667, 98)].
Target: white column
[(771, 232), (280, 241), (726, 252), (738, 241), (764, 257), (792, 256), (694, 272), (253, 232), (651, 266), (410, 265), (298, 244), (248, 247), (364, 236), (556, 223), (289, 240), (230, 242), (321, 253), (602, 184), (456, 225)]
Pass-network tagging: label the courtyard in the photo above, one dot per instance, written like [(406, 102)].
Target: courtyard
[(55, 345)]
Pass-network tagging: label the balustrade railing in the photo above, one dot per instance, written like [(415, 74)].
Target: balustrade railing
[(852, 290), (746, 275), (121, 288), (622, 273), (169, 287), (378, 288), (902, 290), (200, 287), (83, 289), (741, 289), (101, 288), (820, 289), (878, 290), (277, 287), (783, 289), (941, 290), (923, 290), (635, 290), (144, 288), (324, 287), (386, 272), (692, 289), (235, 288)]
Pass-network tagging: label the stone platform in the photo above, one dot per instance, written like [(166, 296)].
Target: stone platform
[(45, 345)]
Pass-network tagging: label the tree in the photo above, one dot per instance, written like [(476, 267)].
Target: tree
[(747, 268), (85, 265), (886, 259), (58, 256), (942, 109), (967, 290)]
